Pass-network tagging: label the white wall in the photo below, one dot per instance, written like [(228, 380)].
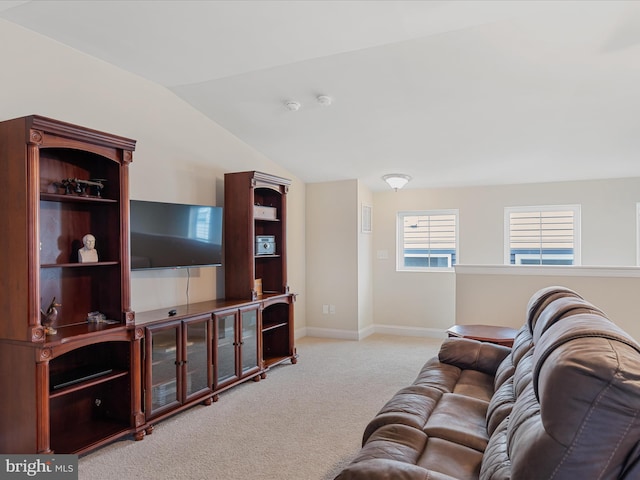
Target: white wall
[(413, 302), (332, 260), (428, 300), (365, 263), (498, 295), (181, 156)]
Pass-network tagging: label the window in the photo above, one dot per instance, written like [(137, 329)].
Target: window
[(202, 224), (547, 235), (427, 240)]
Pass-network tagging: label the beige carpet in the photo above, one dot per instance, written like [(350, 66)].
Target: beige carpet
[(303, 422)]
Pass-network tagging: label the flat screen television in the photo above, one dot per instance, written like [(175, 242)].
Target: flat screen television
[(172, 235)]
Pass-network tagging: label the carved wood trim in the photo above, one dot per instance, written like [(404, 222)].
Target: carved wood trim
[(36, 137), (129, 317), (37, 334), (77, 132)]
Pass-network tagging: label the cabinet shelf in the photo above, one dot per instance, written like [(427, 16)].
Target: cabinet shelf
[(86, 330), (164, 383), (266, 328), (271, 361), (85, 436), (85, 380), (78, 265), (59, 197)]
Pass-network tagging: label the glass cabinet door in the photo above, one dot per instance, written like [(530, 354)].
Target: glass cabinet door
[(197, 372), (249, 343), (225, 368), (163, 354)]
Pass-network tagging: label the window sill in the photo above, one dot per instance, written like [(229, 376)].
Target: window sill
[(549, 270), (426, 270)]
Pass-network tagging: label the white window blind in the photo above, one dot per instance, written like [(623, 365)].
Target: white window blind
[(427, 239), (542, 235)]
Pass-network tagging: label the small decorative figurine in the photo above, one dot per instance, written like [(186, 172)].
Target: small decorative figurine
[(88, 252), (81, 187), (49, 316)]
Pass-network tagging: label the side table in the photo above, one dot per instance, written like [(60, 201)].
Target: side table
[(485, 333)]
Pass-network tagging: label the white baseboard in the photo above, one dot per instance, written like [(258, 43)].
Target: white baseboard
[(332, 333), (411, 331), (365, 332)]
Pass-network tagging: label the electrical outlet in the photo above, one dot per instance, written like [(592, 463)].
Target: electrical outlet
[(325, 309), (332, 309)]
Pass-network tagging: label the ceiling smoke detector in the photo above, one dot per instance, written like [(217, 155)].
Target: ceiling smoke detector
[(324, 100), (292, 105)]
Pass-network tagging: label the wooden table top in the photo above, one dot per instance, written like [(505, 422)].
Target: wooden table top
[(484, 333)]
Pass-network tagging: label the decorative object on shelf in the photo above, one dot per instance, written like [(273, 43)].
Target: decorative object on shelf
[(265, 245), (261, 212), (396, 180), (49, 316), (99, 317), (96, 317), (88, 253), (81, 187), (257, 286)]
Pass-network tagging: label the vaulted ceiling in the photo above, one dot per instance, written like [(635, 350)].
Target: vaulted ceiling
[(450, 92)]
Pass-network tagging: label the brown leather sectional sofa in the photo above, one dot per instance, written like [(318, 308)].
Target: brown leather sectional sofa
[(563, 403)]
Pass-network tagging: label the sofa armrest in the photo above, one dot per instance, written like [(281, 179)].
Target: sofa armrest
[(465, 354)]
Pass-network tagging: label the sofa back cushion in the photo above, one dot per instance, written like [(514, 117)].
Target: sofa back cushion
[(559, 309), (580, 416), (539, 300)]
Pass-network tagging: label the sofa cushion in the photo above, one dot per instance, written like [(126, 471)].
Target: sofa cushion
[(459, 419), (468, 354), (473, 383), (450, 458), (539, 300), (560, 309), (392, 451), (500, 405), (411, 406), (438, 375), (496, 464), (384, 469)]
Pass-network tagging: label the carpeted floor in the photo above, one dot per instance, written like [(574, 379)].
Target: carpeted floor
[(303, 422)]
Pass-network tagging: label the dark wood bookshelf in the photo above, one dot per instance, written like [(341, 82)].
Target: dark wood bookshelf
[(68, 391)]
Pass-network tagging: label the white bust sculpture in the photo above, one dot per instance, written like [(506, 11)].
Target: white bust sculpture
[(88, 252)]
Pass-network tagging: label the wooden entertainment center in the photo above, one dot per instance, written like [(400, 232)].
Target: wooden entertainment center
[(78, 368)]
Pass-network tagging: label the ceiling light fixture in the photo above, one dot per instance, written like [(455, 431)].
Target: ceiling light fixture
[(292, 105), (324, 100), (396, 180)]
